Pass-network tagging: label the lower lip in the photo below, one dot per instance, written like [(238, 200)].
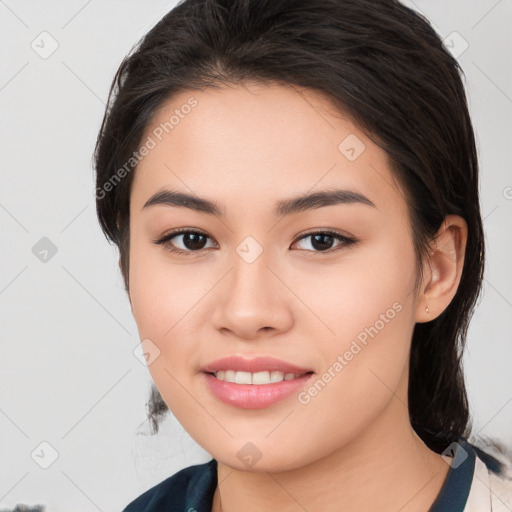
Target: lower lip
[(254, 396)]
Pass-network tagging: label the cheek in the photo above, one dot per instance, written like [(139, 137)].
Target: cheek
[(366, 362), (162, 300), (368, 305), (162, 293), (167, 299), (363, 292)]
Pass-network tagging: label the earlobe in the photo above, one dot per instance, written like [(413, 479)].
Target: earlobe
[(442, 269)]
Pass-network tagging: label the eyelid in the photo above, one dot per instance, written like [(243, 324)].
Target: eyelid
[(330, 231)]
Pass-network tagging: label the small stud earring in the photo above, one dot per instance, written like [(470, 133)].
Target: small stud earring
[(426, 309)]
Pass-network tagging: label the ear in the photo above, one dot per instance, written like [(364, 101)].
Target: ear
[(442, 268)]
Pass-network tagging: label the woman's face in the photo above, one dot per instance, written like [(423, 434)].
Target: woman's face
[(264, 279)]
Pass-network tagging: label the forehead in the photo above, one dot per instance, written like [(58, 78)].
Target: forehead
[(246, 143)]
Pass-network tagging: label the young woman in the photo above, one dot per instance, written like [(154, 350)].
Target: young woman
[(293, 188)]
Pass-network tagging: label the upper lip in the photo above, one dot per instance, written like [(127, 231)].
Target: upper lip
[(256, 364)]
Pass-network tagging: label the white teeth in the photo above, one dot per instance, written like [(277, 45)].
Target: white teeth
[(260, 378), (254, 378), (243, 378), (276, 376)]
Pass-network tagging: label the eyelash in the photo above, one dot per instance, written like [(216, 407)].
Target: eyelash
[(165, 240)]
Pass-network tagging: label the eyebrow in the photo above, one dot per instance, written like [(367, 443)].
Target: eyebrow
[(283, 207)]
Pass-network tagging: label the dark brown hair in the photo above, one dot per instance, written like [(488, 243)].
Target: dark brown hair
[(380, 63)]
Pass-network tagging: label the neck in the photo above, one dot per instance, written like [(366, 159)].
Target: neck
[(386, 464)]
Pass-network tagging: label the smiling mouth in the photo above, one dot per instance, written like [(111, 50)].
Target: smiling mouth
[(255, 378)]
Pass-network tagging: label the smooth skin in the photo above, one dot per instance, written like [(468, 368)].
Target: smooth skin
[(351, 447)]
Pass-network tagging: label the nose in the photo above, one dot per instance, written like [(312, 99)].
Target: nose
[(252, 300)]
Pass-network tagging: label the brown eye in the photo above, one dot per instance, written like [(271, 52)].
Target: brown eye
[(189, 240), (322, 241)]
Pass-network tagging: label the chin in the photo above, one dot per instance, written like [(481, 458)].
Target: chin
[(249, 459)]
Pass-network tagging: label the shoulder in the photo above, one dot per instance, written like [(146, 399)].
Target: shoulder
[(192, 484)]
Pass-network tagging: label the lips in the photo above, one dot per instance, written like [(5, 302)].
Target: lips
[(254, 365), (277, 380)]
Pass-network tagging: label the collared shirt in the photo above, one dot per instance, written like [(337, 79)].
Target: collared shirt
[(473, 484)]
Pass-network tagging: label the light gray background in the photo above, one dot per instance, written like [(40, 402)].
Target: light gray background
[(68, 373)]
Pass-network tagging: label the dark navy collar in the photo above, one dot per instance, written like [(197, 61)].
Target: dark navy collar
[(455, 491), (190, 489), (193, 487)]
